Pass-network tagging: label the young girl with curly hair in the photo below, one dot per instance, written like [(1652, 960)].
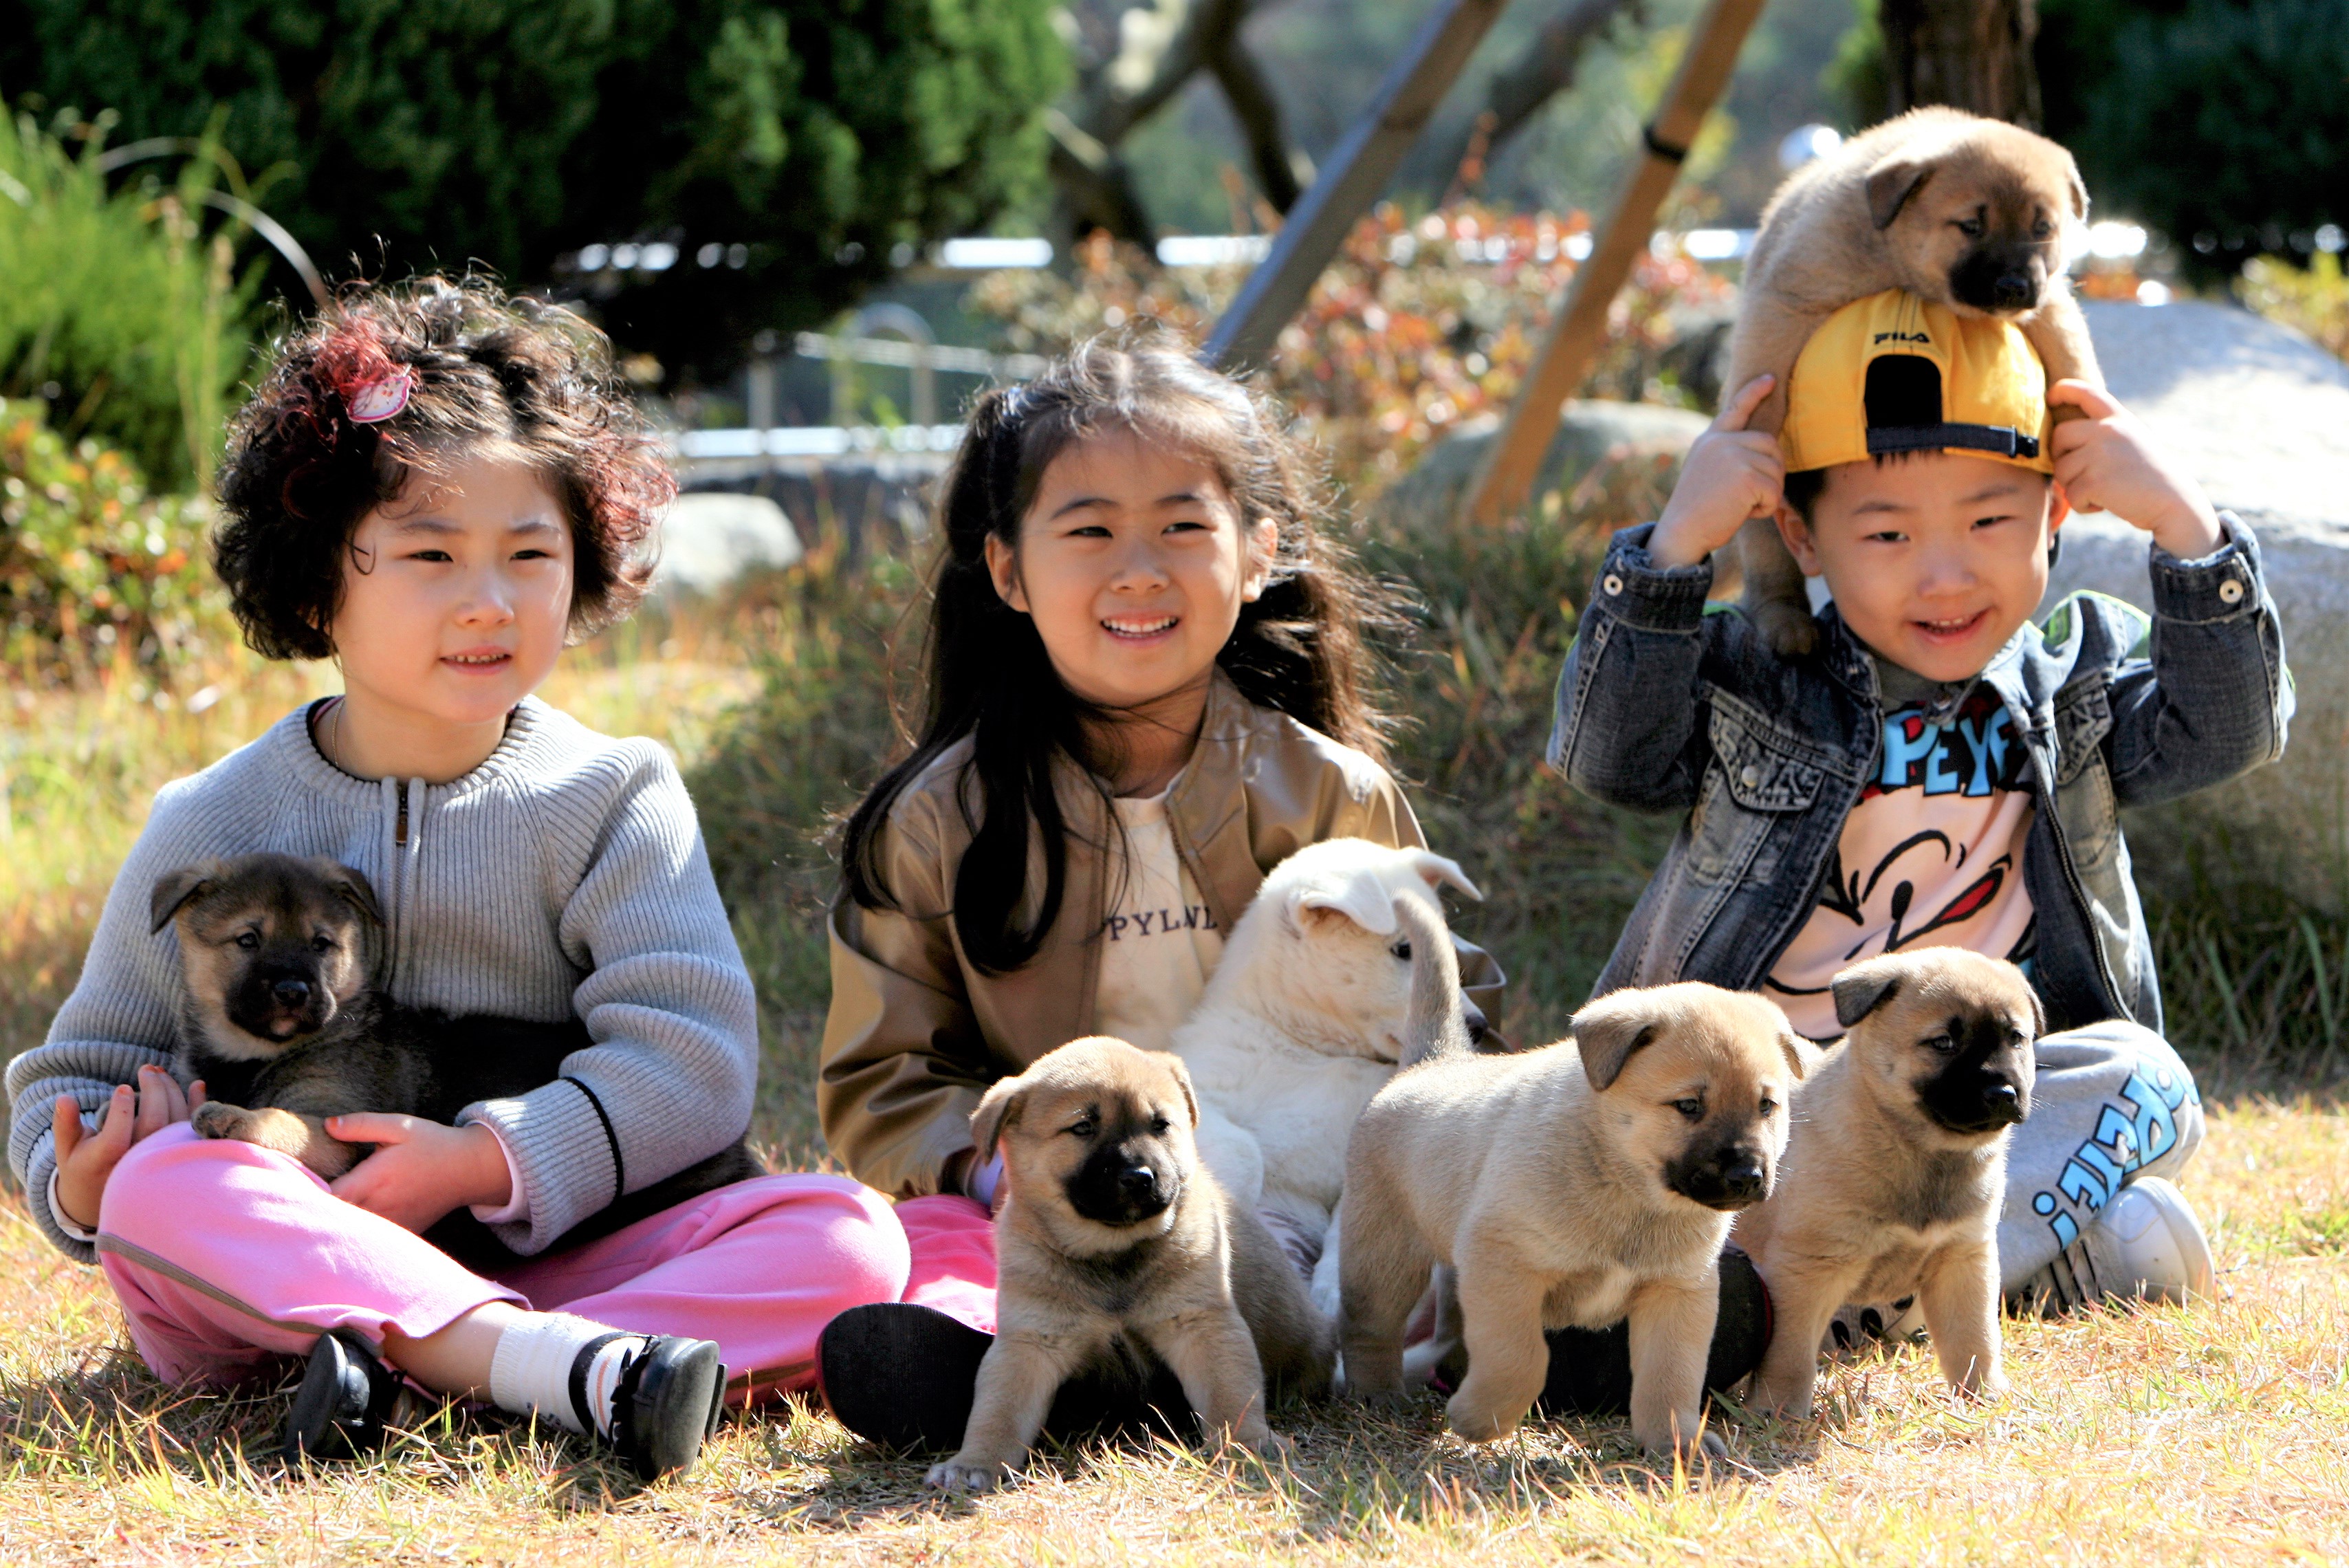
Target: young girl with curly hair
[(440, 487), (1147, 683)]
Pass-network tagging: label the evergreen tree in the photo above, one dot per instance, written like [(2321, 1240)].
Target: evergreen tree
[(803, 140)]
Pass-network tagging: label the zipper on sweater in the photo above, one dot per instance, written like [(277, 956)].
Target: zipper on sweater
[(400, 822)]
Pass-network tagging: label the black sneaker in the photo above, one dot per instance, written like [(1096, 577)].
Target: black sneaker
[(345, 1400), (1590, 1369), (901, 1375), (667, 1402)]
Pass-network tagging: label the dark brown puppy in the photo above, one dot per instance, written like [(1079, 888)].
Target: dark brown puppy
[(1893, 1176), (279, 1021), (1111, 1227), (1971, 213)]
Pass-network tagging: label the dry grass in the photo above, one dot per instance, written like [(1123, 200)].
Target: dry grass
[(2216, 1434), (2209, 1434)]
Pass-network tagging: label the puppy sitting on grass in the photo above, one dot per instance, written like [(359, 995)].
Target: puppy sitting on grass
[(1572, 1186), (281, 1026), (1111, 1228), (1893, 1176)]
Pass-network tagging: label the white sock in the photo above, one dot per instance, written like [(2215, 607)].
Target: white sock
[(531, 1369)]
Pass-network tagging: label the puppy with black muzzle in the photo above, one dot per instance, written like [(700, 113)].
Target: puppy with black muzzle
[(1892, 1179), (1974, 213), (1111, 1230), (1573, 1186), (280, 1023)]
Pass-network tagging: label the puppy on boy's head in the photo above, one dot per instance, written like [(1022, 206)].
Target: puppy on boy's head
[(1114, 1237)]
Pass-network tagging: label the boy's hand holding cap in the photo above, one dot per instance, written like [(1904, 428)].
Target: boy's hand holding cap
[(1729, 474), (2106, 462)]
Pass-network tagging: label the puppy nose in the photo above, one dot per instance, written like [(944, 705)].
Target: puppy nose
[(1743, 1179), (292, 992), (2004, 1100), (2014, 290), (1137, 1181)]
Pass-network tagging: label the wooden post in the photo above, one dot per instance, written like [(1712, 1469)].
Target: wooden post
[(1355, 174), (1507, 475)]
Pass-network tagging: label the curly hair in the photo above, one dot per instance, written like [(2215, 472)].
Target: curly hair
[(1304, 647), (484, 368)]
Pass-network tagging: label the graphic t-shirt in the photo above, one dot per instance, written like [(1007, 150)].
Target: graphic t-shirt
[(1930, 857), (1159, 941)]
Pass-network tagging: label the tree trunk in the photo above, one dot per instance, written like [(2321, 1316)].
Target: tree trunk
[(1969, 54)]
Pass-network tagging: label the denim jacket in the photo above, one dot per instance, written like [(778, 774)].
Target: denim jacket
[(1668, 704)]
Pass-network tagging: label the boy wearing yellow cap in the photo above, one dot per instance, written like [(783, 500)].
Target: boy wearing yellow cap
[(1940, 771)]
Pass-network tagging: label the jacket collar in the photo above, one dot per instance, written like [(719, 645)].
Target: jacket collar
[(1209, 805)]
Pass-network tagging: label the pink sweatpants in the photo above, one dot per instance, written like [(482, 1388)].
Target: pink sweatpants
[(226, 1255)]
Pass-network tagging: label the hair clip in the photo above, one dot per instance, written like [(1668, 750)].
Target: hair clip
[(380, 398)]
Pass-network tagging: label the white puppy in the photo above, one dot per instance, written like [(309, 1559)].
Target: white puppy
[(1304, 1021)]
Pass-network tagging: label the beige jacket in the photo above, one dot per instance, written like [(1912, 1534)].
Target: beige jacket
[(916, 1034)]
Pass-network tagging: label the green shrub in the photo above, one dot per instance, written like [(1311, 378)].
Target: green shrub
[(815, 135), (2224, 123), (117, 308), (2314, 300), (94, 573)]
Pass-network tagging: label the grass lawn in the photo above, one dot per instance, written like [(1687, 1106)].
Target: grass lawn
[(2216, 1434)]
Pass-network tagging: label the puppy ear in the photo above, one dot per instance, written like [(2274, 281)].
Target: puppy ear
[(1608, 1030), (1363, 899), (1801, 1054), (1890, 185), (1861, 991), (1182, 1077), (351, 886), (1438, 872), (2038, 1010), (174, 889), (997, 1108), (2079, 191)]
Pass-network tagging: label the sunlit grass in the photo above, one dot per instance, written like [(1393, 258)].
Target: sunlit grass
[(2216, 1434), (2211, 1434)]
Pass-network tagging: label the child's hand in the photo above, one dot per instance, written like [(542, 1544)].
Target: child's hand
[(420, 1171), (85, 1159), (1732, 473), (2106, 462)]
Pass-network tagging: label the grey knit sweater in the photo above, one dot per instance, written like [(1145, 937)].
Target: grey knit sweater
[(565, 874)]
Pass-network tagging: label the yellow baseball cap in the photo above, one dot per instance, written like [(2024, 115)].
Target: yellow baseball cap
[(1896, 373)]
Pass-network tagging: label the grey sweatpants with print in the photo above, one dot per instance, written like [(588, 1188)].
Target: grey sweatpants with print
[(2113, 1103)]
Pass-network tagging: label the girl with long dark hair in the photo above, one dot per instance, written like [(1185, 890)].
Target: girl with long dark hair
[(1146, 682)]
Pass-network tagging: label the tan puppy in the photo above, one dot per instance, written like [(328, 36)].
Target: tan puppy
[(1572, 1186), (1892, 1179), (1111, 1226), (1972, 212)]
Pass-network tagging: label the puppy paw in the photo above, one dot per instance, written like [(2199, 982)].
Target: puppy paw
[(961, 1475), (1476, 1422), (1987, 1390), (217, 1118), (1707, 1447), (1789, 628)]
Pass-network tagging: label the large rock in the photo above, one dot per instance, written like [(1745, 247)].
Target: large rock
[(2260, 416), (709, 537)]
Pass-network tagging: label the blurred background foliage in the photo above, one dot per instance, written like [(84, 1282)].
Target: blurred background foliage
[(1418, 328), (121, 306), (816, 135)]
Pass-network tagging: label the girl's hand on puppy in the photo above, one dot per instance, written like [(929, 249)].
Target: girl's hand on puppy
[(1732, 473), (85, 1159), (2106, 462), (420, 1171)]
